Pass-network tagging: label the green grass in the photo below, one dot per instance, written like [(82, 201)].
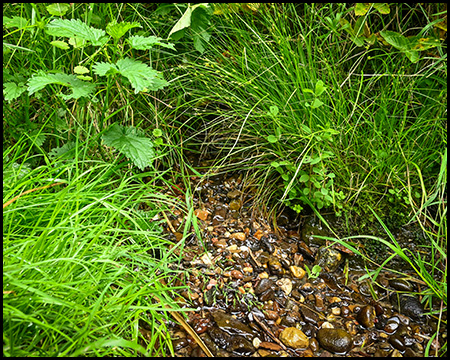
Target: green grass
[(380, 114), (81, 261), (282, 92)]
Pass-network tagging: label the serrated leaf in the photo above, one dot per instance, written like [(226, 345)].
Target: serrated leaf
[(272, 139), (75, 28), (157, 132), (104, 69), (77, 42), (141, 76), (62, 151), (57, 9), (15, 22), (78, 87), (117, 30), (126, 139), (60, 44), (12, 91), (146, 43)]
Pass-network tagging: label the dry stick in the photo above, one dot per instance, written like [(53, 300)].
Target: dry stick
[(29, 191), (184, 324)]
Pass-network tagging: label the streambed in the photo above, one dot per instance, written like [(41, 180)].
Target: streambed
[(254, 297)]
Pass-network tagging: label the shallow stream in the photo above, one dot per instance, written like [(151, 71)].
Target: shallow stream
[(254, 297)]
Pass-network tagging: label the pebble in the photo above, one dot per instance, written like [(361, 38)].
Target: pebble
[(335, 340), (285, 284), (239, 235), (366, 316), (297, 272), (201, 214), (236, 274), (294, 338)]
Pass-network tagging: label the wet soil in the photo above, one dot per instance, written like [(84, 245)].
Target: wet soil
[(254, 297)]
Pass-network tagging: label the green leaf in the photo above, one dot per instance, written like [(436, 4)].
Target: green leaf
[(63, 152), (75, 28), (272, 139), (60, 44), (57, 9), (319, 88), (183, 22), (129, 142), (78, 87), (316, 103), (383, 8), (12, 91), (275, 164), (304, 178), (141, 76), (200, 19), (117, 30), (157, 132), (273, 110), (146, 43), (15, 22), (81, 70), (362, 8)]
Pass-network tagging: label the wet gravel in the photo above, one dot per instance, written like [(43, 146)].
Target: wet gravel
[(253, 296)]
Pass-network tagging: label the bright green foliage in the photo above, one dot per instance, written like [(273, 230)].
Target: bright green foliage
[(15, 22), (132, 143), (60, 44), (78, 87), (12, 90), (147, 42), (76, 29), (410, 46), (197, 18), (58, 9), (141, 76), (117, 30)]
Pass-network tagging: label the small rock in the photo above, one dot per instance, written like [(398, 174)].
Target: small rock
[(239, 235), (234, 205), (270, 346), (294, 338), (401, 285), (263, 285), (297, 272), (366, 316), (233, 194), (285, 284), (201, 214), (206, 259), (236, 274), (335, 340)]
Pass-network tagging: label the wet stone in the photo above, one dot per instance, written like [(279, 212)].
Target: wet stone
[(231, 325), (240, 345), (297, 272), (401, 285), (366, 316), (294, 338), (407, 305), (233, 194), (328, 258), (335, 340), (263, 285)]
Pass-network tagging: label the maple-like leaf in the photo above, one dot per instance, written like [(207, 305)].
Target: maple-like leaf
[(131, 142), (141, 76), (147, 42), (75, 28), (78, 87)]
